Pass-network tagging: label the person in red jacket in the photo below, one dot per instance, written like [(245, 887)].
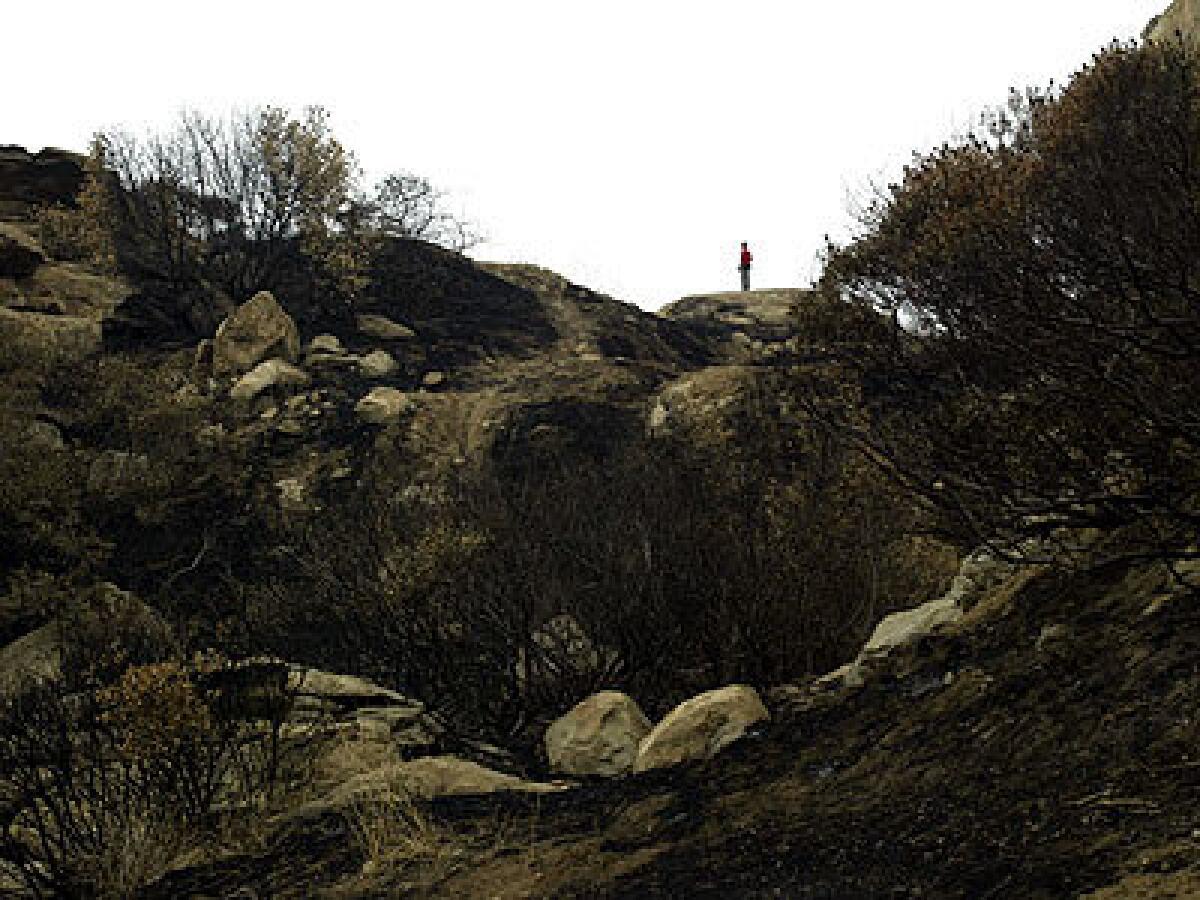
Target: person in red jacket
[(744, 266)]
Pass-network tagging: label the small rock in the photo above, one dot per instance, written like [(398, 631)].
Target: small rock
[(383, 405), (1052, 634), (325, 343), (293, 494), (383, 328), (377, 364), (43, 435), (273, 373), (210, 436), (433, 379)]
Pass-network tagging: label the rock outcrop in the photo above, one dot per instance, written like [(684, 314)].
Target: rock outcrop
[(598, 736), (701, 727), (257, 330), (28, 180)]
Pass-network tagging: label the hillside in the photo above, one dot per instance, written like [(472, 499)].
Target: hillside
[(1043, 746), (397, 574)]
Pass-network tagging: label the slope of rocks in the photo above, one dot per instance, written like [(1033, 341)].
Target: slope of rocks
[(1040, 743)]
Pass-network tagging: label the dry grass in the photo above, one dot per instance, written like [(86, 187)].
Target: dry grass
[(348, 757), (141, 848), (403, 848)]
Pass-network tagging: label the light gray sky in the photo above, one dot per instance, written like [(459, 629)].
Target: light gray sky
[(627, 145)]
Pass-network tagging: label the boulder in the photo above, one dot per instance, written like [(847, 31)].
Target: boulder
[(383, 405), (34, 657), (701, 727), (43, 435), (257, 330), (408, 728), (909, 625), (383, 328), (47, 178), (598, 736), (978, 573), (377, 364), (271, 374)]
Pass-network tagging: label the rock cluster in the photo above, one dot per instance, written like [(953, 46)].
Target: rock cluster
[(608, 734)]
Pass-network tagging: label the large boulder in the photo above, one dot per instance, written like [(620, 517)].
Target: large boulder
[(257, 330), (345, 692), (701, 727), (272, 374), (598, 736)]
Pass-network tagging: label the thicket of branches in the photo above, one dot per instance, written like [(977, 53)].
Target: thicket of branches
[(111, 769), (756, 564), (219, 208), (1050, 264)]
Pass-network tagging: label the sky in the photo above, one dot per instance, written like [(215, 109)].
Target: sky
[(629, 146)]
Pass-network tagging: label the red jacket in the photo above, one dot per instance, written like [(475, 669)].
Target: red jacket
[(746, 259)]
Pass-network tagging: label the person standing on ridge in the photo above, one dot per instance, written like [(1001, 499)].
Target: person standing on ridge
[(744, 266)]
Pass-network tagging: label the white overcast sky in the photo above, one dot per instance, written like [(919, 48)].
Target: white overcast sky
[(627, 145)]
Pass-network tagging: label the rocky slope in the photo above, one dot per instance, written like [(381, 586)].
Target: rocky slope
[(1040, 742), (1023, 733)]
